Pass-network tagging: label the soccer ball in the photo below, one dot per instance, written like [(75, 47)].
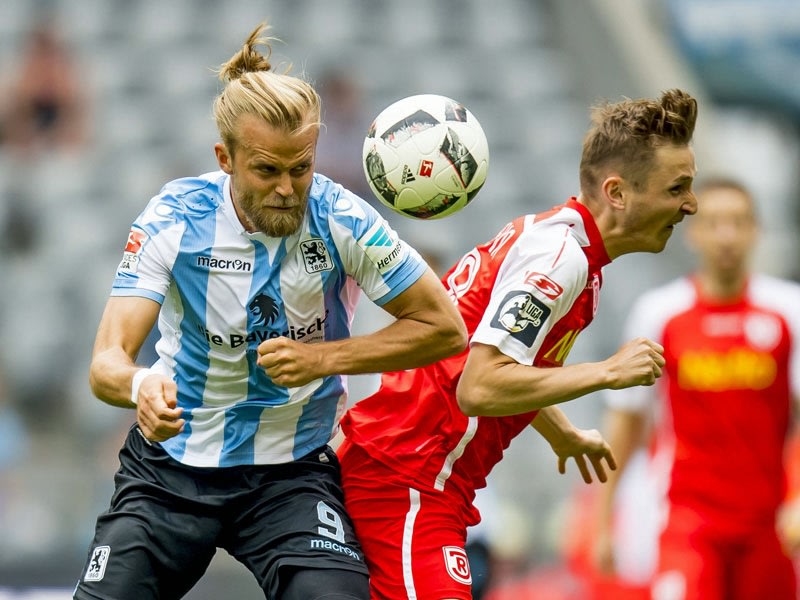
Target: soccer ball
[(425, 156)]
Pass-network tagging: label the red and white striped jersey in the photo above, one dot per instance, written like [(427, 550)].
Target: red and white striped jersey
[(529, 292), (723, 406)]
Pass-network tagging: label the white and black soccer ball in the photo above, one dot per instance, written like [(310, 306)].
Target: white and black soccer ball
[(426, 156)]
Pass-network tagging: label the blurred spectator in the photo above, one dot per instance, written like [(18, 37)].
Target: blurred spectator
[(342, 136), (14, 439), (19, 233), (45, 107)]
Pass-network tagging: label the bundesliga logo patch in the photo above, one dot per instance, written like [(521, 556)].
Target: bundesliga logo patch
[(97, 566), (133, 247)]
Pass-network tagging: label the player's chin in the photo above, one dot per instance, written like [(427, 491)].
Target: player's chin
[(659, 242), (283, 223)]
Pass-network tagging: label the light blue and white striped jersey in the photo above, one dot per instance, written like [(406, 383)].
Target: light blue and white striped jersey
[(224, 290)]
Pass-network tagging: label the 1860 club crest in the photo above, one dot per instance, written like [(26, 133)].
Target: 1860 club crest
[(315, 256)]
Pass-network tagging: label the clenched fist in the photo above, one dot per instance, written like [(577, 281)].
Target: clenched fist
[(290, 363), (638, 362), (157, 410)]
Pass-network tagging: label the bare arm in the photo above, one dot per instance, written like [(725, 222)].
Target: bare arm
[(625, 432), (428, 327), (124, 326), (567, 441), (494, 384)]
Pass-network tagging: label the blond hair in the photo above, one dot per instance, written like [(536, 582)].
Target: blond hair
[(252, 87), (625, 135)]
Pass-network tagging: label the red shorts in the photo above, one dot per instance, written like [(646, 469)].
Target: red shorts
[(699, 562), (413, 540)]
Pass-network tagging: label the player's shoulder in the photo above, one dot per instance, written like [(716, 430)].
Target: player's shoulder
[(333, 206), (327, 198), (782, 295), (566, 227), (201, 193), (763, 284), (553, 231), (664, 301)]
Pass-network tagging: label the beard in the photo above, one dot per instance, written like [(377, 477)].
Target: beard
[(270, 221)]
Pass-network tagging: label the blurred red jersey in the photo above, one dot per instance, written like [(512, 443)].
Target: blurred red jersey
[(730, 373), (529, 292)]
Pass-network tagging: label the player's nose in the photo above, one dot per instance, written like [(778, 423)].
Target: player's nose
[(284, 187), (689, 207)]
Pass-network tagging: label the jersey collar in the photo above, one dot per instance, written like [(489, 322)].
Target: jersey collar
[(720, 303), (596, 252)]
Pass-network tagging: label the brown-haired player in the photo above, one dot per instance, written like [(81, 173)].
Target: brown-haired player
[(416, 450)]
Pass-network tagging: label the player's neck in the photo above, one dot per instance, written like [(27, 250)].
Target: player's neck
[(719, 287)]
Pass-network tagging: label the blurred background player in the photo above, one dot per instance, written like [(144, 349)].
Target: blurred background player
[(721, 414), (253, 273), (417, 450)]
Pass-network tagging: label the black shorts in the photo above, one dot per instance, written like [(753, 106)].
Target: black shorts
[(166, 521)]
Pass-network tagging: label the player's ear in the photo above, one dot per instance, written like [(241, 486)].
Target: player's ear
[(613, 190), (224, 158)]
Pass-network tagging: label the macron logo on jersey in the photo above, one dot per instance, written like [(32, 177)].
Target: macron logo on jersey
[(264, 309), (224, 264), (382, 246)]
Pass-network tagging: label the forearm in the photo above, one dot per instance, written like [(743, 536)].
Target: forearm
[(110, 377), (125, 324), (553, 425), (494, 384), (427, 327), (404, 344), (513, 388)]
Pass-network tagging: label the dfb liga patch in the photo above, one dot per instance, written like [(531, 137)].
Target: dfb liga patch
[(522, 315)]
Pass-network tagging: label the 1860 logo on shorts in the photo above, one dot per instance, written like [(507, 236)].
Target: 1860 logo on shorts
[(455, 560), (97, 565)]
